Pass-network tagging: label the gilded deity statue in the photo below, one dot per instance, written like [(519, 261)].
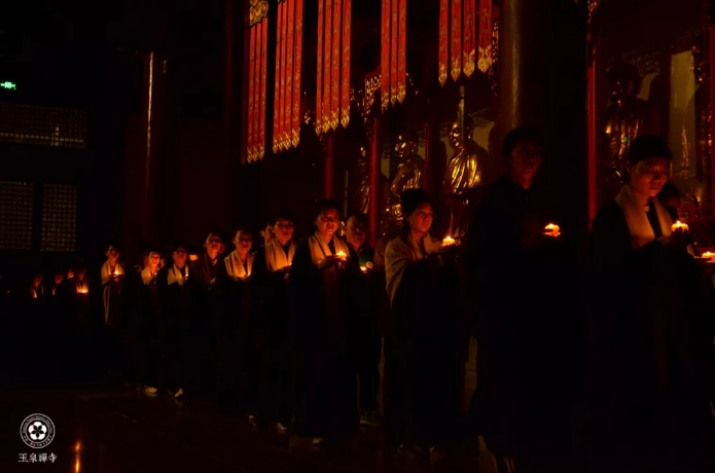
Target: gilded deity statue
[(623, 118), (363, 197), (464, 173), (408, 176), (703, 111)]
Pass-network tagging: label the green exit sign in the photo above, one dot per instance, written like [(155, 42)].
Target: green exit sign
[(8, 85)]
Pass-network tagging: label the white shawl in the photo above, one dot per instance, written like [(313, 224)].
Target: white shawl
[(174, 275), (234, 267), (399, 254), (319, 250), (147, 277), (276, 257), (110, 293), (637, 219)]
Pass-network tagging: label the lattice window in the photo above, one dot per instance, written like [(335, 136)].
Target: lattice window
[(16, 205), (59, 217), (49, 126)]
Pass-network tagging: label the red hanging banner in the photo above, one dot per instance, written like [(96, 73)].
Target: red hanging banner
[(288, 93), (385, 36), (469, 37), (345, 80), (277, 122), (402, 53), (443, 41), (257, 68), (456, 43), (319, 86), (297, 70), (327, 64), (485, 36), (284, 73), (335, 73), (263, 32), (393, 50), (251, 91)]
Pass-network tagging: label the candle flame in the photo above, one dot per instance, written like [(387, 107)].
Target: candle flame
[(552, 230), (680, 225), (708, 254), (448, 241)]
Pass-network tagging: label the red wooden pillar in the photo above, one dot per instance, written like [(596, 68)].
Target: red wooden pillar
[(329, 167), (374, 220), (591, 134), (711, 46), (427, 174)]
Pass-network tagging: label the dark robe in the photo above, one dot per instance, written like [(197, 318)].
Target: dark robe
[(178, 305), (271, 310), (650, 352), (524, 294), (365, 292), (209, 283), (421, 355), (326, 389)]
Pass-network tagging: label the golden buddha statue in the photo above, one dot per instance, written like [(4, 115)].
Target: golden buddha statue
[(623, 118), (363, 197), (408, 176), (464, 171)]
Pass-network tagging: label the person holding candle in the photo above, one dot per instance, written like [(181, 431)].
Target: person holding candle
[(236, 350), (650, 347), (326, 389), (208, 281), (177, 308), (421, 359), (112, 279), (366, 338), (271, 307), (146, 324), (519, 267)]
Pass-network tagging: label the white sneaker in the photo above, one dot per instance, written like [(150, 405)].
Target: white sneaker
[(280, 428), (150, 390), (179, 393), (252, 420), (318, 441)]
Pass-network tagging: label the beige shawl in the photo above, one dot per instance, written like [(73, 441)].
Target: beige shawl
[(276, 257), (319, 250), (399, 254), (147, 276), (235, 269), (111, 293), (637, 220), (174, 275)]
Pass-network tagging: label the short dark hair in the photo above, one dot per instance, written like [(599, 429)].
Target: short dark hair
[(413, 198), (648, 146), (284, 214), (360, 217), (518, 135), (326, 204)]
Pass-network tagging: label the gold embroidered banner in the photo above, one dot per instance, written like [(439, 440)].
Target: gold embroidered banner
[(332, 107), (257, 67), (458, 37), (393, 57), (289, 45)]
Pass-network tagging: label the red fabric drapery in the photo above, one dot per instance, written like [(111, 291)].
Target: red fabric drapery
[(458, 40), (289, 44), (257, 69), (393, 57), (332, 107)]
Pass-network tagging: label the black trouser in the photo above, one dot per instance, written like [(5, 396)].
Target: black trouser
[(172, 349)]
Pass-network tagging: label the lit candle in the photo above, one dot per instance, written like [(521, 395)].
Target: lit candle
[(341, 255), (680, 226), (193, 257), (448, 241), (363, 269), (708, 255), (552, 230)]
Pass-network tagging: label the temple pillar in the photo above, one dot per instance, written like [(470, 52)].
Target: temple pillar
[(542, 83)]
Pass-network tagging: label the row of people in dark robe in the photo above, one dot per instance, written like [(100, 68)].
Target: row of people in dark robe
[(613, 347)]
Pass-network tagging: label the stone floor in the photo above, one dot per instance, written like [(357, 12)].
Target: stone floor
[(119, 431)]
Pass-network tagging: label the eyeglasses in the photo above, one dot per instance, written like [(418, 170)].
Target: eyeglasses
[(424, 215)]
